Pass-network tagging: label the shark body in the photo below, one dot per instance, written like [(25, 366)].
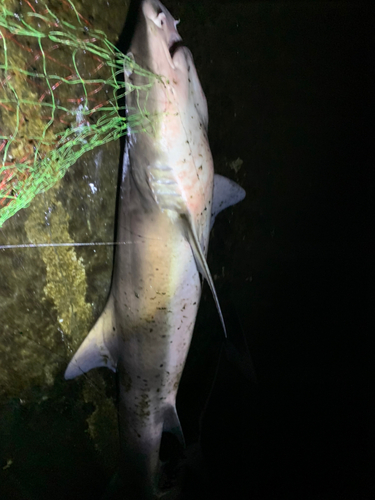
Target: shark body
[(164, 215)]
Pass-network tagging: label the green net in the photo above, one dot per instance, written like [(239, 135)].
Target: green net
[(59, 97)]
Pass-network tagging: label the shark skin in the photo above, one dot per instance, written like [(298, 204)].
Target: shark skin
[(165, 204)]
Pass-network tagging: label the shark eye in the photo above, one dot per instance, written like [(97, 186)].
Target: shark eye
[(160, 20)]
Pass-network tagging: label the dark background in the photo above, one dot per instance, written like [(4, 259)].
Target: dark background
[(290, 92)]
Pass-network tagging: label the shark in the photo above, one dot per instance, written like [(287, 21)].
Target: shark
[(168, 199)]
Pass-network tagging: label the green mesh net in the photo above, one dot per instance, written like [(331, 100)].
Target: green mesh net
[(59, 95)]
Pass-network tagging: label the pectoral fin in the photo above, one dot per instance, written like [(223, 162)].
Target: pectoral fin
[(201, 262), (99, 347), (166, 193)]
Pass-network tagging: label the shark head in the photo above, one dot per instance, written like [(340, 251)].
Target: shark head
[(156, 39), (157, 46)]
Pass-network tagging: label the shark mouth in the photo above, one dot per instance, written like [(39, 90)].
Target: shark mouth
[(175, 46)]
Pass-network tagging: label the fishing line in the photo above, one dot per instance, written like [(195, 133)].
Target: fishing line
[(43, 245)]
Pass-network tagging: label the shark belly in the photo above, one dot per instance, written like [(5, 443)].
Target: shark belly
[(156, 292)]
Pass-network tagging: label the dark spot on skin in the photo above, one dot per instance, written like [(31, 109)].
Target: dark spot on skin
[(161, 366), (136, 294), (139, 435), (144, 406), (194, 303), (200, 168), (114, 329), (125, 380), (151, 330), (163, 336), (157, 390)]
